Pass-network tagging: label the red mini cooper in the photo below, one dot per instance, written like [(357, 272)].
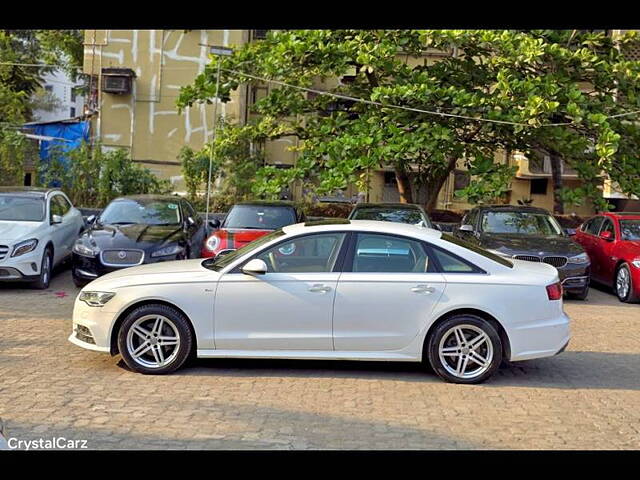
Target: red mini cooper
[(246, 222), (612, 241)]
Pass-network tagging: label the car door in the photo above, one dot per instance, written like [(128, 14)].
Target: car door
[(287, 308), (195, 231), (605, 260), (386, 293), (588, 241), (60, 232)]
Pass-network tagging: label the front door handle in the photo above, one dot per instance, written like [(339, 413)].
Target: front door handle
[(423, 289), (319, 287)]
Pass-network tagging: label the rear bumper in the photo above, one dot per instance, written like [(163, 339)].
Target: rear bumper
[(544, 338)]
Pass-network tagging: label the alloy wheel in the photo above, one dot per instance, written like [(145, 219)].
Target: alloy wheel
[(465, 351), (153, 341), (46, 267), (622, 283)]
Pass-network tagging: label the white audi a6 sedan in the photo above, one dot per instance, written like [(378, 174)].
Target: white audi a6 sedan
[(343, 290)]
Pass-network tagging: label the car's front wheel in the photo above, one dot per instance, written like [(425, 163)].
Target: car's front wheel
[(624, 285), (464, 349), (155, 339)]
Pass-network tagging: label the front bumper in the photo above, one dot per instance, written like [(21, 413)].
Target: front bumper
[(574, 278), (540, 339), (92, 327), (25, 268)]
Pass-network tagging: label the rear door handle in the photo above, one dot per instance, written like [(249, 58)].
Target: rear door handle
[(423, 289), (319, 287)]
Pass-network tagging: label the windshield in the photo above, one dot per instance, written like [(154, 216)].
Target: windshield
[(520, 223), (388, 214), (630, 229), (478, 250), (218, 263), (148, 212), (259, 217), (21, 209)]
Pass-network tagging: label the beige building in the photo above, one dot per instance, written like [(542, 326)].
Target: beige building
[(136, 78)]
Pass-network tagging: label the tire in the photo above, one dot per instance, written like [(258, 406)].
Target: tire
[(624, 293), (46, 266), (580, 296), (148, 355), (451, 358)]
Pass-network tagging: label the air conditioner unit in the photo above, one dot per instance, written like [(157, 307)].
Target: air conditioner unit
[(260, 34), (117, 80)]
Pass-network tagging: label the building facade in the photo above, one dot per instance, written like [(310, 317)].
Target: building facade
[(59, 86), (136, 77)]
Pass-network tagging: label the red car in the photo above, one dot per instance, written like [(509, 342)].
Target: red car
[(246, 222), (612, 241)]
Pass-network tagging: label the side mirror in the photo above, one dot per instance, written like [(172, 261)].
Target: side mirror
[(91, 219), (215, 223), (606, 236), (55, 219), (437, 227), (255, 267), (191, 221), (570, 231), (466, 228)]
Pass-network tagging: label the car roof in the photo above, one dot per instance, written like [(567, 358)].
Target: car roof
[(37, 192), (364, 226), (630, 215), (149, 196)]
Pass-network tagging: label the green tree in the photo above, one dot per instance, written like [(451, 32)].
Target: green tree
[(521, 81)]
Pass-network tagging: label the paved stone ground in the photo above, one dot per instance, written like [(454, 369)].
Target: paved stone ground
[(586, 398)]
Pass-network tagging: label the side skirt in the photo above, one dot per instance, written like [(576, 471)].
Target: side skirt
[(309, 355)]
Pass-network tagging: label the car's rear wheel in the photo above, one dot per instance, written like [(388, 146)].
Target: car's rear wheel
[(46, 265), (464, 349), (155, 339), (624, 284)]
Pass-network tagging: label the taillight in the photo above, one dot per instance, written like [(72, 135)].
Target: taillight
[(554, 291)]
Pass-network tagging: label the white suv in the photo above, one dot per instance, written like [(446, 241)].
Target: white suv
[(38, 227)]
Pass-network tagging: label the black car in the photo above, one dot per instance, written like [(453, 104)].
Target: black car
[(391, 212), (528, 233), (135, 230)]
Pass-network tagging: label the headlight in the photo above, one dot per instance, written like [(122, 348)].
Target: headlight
[(579, 259), (24, 247), (212, 243), (81, 249), (636, 262), (170, 250), (96, 299)]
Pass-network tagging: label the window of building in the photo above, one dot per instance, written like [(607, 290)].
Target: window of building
[(538, 186), (73, 94), (72, 111), (390, 178), (260, 34), (461, 179), (48, 88)]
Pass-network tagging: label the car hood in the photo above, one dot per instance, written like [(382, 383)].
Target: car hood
[(177, 271), (12, 232), (137, 236), (530, 244)]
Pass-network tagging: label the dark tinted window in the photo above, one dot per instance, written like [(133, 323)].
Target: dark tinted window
[(141, 211), (593, 225), (309, 253), (607, 226), (478, 250), (59, 206), (21, 209), (259, 217), (386, 253)]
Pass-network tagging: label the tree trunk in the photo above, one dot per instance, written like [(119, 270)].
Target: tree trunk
[(404, 186), (435, 183), (556, 181)]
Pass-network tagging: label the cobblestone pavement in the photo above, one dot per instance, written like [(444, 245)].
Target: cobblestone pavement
[(586, 398)]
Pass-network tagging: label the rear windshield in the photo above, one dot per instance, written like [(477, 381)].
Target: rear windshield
[(21, 209), (478, 250), (259, 217), (390, 214)]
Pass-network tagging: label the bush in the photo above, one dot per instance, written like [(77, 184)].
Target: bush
[(92, 178)]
